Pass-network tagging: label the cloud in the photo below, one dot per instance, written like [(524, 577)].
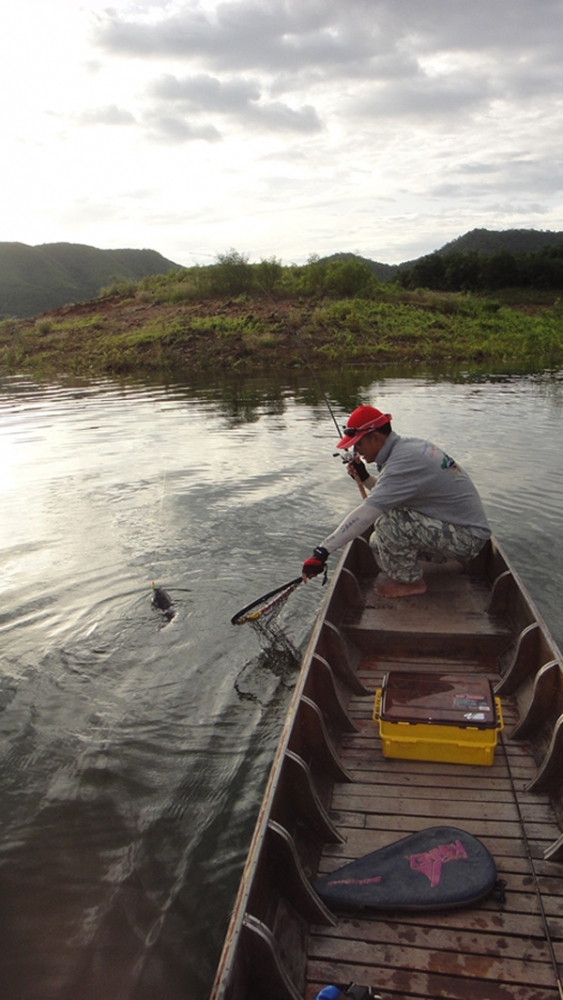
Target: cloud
[(509, 175), (299, 64), (236, 98), (245, 33), (275, 35), (109, 115), (282, 118), (207, 93), (476, 167), (423, 97), (173, 128), (532, 174)]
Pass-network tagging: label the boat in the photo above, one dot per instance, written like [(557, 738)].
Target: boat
[(333, 796)]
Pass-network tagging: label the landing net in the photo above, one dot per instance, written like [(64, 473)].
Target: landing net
[(262, 617)]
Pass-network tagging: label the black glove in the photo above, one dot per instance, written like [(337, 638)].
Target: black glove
[(315, 564), (359, 469)]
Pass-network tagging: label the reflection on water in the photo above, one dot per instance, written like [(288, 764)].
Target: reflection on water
[(135, 750)]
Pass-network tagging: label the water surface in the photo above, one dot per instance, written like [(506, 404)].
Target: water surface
[(134, 751)]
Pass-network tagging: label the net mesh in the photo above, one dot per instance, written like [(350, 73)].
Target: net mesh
[(265, 679), (263, 621)]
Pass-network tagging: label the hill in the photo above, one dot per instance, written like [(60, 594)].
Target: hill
[(487, 242), (35, 279), (236, 317), (490, 241), (383, 272)]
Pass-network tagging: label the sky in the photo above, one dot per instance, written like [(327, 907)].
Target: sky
[(279, 127)]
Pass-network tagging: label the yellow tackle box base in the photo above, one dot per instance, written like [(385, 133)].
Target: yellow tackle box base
[(441, 743)]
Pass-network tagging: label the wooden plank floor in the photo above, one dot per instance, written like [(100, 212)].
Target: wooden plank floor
[(485, 952), (454, 603)]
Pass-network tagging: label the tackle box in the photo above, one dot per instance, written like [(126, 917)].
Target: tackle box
[(440, 717)]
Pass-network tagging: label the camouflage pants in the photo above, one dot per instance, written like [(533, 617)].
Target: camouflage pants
[(402, 536)]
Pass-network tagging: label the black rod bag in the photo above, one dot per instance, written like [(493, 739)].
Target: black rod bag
[(438, 868)]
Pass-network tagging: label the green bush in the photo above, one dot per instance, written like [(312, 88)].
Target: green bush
[(347, 278), (124, 287), (232, 274), (44, 325), (268, 273)]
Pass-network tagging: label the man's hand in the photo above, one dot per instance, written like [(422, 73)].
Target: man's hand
[(357, 470), (315, 564)]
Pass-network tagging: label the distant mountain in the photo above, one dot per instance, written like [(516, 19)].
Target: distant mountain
[(481, 241), (35, 279), (490, 241)]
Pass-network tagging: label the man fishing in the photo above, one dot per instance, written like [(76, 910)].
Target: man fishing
[(422, 505)]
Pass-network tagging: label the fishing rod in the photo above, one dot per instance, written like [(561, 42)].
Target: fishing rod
[(345, 454), (308, 361)]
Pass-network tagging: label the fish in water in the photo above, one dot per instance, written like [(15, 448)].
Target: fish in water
[(162, 600)]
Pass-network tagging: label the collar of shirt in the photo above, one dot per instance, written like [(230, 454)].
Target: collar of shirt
[(387, 449)]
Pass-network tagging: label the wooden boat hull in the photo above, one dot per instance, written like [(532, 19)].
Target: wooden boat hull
[(332, 796)]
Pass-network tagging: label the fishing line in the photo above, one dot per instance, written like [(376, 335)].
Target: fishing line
[(162, 493), (160, 598)]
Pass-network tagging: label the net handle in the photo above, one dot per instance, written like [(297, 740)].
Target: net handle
[(260, 600)]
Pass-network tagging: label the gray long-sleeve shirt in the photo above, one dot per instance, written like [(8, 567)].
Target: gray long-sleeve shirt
[(418, 475)]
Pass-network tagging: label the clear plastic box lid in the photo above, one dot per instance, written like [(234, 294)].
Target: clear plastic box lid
[(442, 699)]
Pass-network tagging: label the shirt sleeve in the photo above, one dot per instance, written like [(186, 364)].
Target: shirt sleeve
[(356, 522)]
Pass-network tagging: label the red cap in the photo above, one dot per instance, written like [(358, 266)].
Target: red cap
[(363, 420)]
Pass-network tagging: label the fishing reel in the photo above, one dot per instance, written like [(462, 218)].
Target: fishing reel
[(356, 470), (346, 456)]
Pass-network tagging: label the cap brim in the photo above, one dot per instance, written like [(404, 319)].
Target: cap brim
[(349, 442)]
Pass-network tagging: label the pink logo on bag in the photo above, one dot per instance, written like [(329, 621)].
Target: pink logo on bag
[(430, 862)]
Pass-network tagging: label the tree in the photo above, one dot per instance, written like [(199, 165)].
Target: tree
[(428, 272), (267, 273), (232, 274), (347, 277)]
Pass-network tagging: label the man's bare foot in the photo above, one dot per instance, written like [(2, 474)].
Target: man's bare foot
[(392, 588)]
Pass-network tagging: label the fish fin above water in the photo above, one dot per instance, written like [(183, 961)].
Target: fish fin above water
[(161, 599)]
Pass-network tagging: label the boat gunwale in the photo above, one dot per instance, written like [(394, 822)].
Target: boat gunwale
[(529, 601)]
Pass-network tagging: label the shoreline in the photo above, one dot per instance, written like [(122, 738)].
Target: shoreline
[(132, 332)]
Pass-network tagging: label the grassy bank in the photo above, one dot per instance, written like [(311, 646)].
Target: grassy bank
[(205, 319)]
